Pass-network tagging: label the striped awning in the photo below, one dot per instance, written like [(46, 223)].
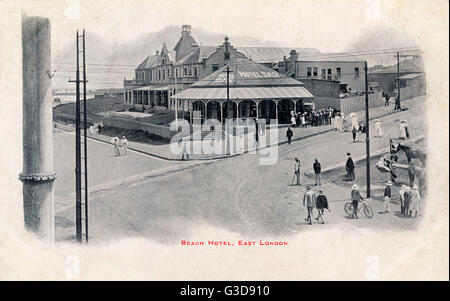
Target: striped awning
[(152, 88), (220, 93)]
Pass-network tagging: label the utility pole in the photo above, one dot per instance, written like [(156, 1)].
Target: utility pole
[(85, 143), (38, 174), (367, 133), (397, 99), (229, 110), (176, 104), (79, 172)]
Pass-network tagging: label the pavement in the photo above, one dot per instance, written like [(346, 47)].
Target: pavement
[(164, 151), (238, 194)]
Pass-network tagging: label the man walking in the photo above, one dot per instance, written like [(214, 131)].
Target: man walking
[(317, 170), (356, 197), (387, 197), (309, 201), (297, 166), (321, 205), (350, 167), (289, 135), (124, 143)]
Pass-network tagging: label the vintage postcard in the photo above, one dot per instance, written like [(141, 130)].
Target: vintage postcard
[(224, 140)]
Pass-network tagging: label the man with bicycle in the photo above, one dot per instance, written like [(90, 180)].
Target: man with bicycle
[(356, 197)]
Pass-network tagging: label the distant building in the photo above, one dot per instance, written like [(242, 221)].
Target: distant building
[(412, 75), (346, 69), (169, 72)]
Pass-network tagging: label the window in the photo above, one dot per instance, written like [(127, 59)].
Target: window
[(215, 67), (338, 71), (190, 70), (308, 71), (176, 72), (159, 74), (356, 72), (195, 71), (315, 71), (324, 73), (330, 72), (185, 71), (164, 74)]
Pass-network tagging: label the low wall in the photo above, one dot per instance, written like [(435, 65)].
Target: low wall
[(358, 103), (132, 124)]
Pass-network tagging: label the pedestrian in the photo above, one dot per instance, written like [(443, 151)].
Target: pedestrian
[(293, 121), (115, 142), (297, 166), (407, 201), (321, 205), (124, 143), (317, 171), (304, 120), (401, 193), (415, 200), (356, 197), (354, 131), (387, 197), (386, 97), (337, 121), (91, 130), (289, 135), (403, 130), (350, 167), (344, 122), (360, 131), (309, 201), (378, 132)]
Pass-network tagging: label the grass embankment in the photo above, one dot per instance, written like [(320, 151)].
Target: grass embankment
[(66, 112), (134, 135)]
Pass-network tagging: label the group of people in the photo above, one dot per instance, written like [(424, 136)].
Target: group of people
[(409, 201), (312, 200), (120, 143), (313, 118), (317, 171)]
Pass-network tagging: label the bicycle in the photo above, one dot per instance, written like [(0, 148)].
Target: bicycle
[(348, 207)]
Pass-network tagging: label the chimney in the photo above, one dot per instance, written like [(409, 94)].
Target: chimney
[(292, 61), (185, 30), (227, 51)]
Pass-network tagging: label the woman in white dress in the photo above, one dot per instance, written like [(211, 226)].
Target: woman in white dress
[(415, 201), (337, 122), (403, 126), (378, 131)]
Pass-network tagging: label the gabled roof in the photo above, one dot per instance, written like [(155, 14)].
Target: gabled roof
[(246, 73), (196, 55), (149, 62)]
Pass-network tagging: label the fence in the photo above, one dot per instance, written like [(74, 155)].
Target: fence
[(358, 103)]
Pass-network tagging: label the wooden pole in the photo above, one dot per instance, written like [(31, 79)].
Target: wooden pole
[(38, 173)]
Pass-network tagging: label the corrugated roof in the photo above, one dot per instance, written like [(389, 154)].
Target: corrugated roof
[(245, 72), (273, 54), (220, 93), (411, 75), (152, 88)]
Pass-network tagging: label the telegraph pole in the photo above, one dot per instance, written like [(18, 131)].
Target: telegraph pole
[(80, 171), (367, 133), (78, 149), (85, 144), (397, 99)]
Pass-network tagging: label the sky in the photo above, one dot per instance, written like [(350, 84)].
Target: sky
[(328, 25)]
